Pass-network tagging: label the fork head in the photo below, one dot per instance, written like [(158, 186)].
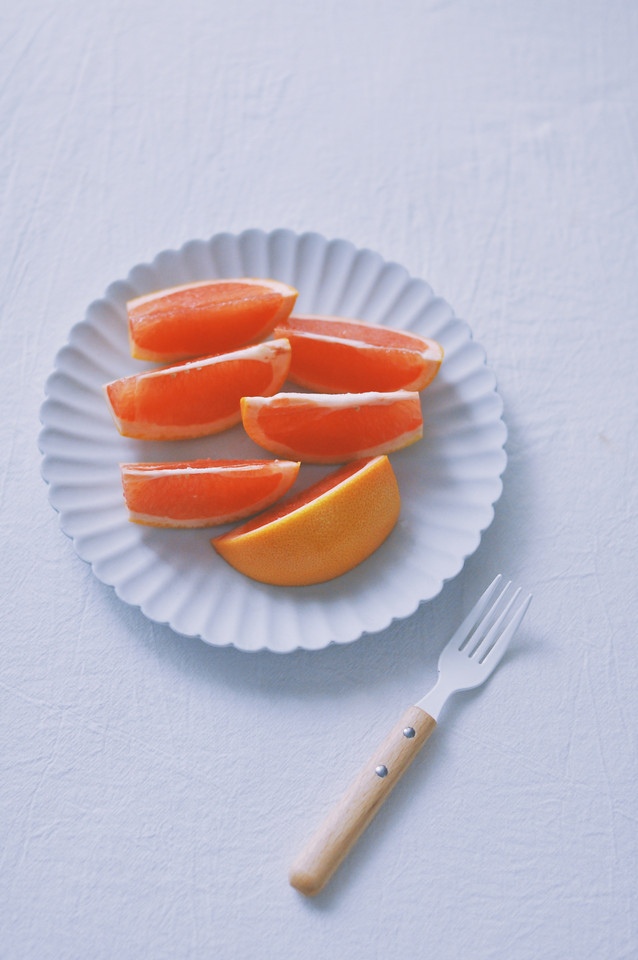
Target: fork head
[(478, 645)]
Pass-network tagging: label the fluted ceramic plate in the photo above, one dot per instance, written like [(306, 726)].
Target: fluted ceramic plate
[(448, 482)]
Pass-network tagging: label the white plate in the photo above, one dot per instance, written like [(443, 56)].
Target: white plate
[(449, 481)]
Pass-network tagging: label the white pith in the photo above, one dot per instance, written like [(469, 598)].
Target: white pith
[(260, 351), (338, 399), (432, 351), (274, 285), (181, 471)]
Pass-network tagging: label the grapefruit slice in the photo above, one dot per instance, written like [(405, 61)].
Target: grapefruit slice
[(211, 316), (330, 354), (203, 493), (198, 397), (320, 533), (333, 428)]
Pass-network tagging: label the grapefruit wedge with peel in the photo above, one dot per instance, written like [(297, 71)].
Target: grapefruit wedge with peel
[(320, 533), (203, 493), (197, 397), (331, 354), (333, 428), (210, 316)]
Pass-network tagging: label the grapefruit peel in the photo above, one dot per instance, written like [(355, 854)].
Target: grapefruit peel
[(321, 533)]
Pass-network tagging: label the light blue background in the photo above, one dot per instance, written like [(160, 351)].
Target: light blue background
[(153, 790)]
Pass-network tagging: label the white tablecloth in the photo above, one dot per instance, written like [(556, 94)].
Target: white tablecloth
[(154, 789)]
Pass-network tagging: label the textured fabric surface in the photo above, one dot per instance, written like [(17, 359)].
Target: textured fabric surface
[(153, 790)]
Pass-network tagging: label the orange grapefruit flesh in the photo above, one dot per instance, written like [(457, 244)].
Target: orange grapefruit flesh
[(203, 493), (320, 533), (211, 316), (330, 354), (197, 397), (333, 428)]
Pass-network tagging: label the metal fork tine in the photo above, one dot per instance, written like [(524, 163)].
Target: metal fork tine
[(483, 637), (471, 645), (475, 614), (487, 632), (496, 651)]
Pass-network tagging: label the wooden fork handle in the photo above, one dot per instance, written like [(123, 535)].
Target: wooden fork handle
[(343, 826)]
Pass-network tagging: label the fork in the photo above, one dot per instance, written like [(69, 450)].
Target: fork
[(465, 662)]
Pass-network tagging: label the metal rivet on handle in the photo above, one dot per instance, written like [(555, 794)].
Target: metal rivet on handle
[(381, 770), (409, 732)]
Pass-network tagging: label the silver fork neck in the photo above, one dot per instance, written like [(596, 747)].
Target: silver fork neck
[(435, 698)]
